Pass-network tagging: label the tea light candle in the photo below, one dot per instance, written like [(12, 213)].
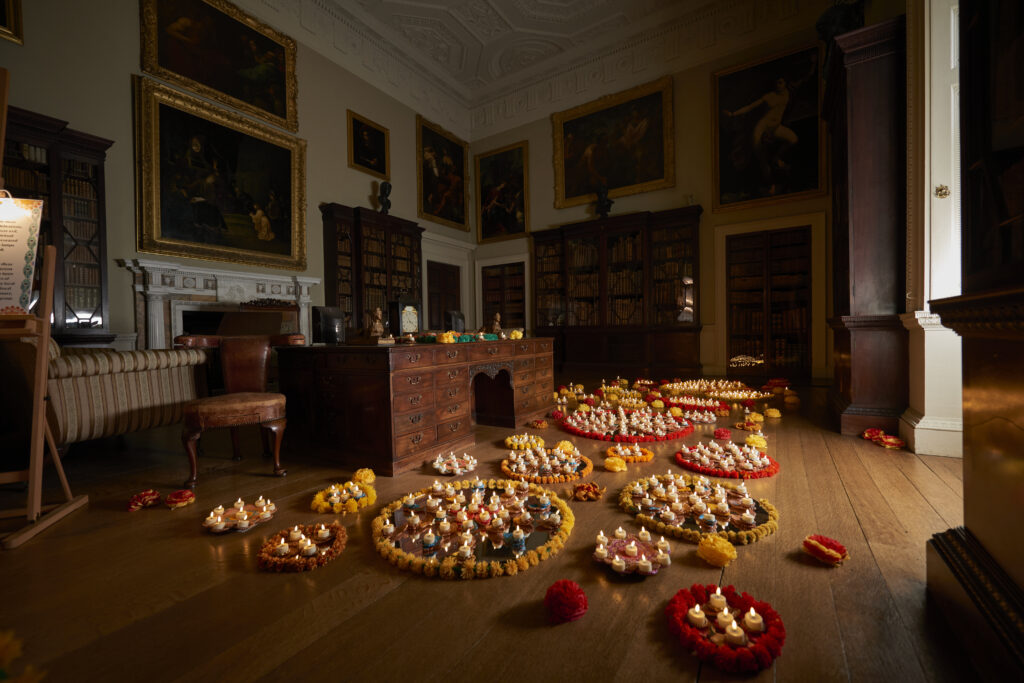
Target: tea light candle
[(518, 534), (429, 539), (696, 617), (219, 524), (444, 527), (413, 520), (469, 525), (497, 523), (620, 533), (555, 518), (466, 538), (724, 619), (752, 621), (323, 533), (439, 515), (242, 521), (618, 564), (281, 548), (218, 511), (717, 600), (271, 507), (264, 512), (644, 534), (431, 502), (734, 635), (747, 502), (664, 545), (722, 508), (388, 527), (503, 514), (663, 558), (748, 517), (260, 502), (601, 538), (465, 551), (461, 516), (449, 491), (630, 549), (239, 504), (309, 550), (334, 499), (601, 552), (437, 487), (644, 565), (210, 520)]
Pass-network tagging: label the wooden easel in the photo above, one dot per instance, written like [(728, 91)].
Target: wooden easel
[(20, 329)]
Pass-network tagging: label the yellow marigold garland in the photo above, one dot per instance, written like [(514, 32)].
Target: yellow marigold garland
[(693, 535), (757, 441), (615, 464), (322, 505), (521, 442), (716, 551), (451, 567)]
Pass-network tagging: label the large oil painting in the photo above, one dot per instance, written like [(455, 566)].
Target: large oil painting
[(215, 185), (622, 142), (503, 193), (768, 131), (441, 175), (215, 49), (10, 21)]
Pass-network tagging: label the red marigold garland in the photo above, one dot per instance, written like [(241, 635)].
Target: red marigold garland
[(827, 550), (565, 601), (770, 471), (761, 648)]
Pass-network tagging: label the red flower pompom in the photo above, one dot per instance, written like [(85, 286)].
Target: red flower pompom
[(589, 401), (748, 403), (565, 601), (556, 415), (825, 549), (723, 433)]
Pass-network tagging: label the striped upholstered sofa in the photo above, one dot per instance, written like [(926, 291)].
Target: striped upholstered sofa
[(96, 393)]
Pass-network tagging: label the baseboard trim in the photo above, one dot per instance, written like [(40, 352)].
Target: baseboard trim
[(981, 603)]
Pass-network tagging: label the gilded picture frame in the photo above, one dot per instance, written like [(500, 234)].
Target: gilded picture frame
[(369, 146), (623, 142), (441, 175), (10, 21), (768, 142), (214, 185), (213, 48), (503, 193)]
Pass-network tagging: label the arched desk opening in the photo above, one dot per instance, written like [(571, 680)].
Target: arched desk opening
[(492, 395)]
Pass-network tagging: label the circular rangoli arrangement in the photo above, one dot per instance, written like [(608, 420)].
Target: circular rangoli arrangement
[(690, 507), (557, 465), (728, 460), (492, 528), (302, 548), (241, 516), (627, 425), (631, 453), (454, 464), (733, 632)]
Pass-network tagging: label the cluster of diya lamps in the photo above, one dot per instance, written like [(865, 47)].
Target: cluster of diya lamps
[(713, 509), (727, 457), (307, 547), (721, 625), (642, 421), (340, 494), (240, 516), (441, 527), (454, 464), (627, 554), (545, 463), (701, 416), (627, 450)]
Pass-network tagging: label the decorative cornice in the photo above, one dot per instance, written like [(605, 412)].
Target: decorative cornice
[(923, 320), (998, 315), (866, 322)]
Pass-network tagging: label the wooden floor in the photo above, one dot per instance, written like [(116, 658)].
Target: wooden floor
[(108, 595)]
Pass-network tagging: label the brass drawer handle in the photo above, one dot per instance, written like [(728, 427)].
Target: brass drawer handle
[(415, 400), (452, 393), (414, 380), (492, 350), (417, 438), (416, 418), (454, 408), (452, 374), (454, 426), (413, 358), (452, 354), (523, 347)]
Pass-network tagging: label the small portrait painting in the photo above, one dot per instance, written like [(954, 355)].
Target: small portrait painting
[(502, 196), (369, 147), (768, 131), (441, 175)]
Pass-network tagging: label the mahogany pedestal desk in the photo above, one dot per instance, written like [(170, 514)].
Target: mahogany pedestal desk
[(393, 407)]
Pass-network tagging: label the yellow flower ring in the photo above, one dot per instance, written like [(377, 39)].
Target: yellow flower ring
[(268, 560), (398, 548), (585, 471), (645, 455), (348, 499), (766, 515)]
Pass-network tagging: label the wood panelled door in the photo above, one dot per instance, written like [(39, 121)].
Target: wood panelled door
[(443, 288)]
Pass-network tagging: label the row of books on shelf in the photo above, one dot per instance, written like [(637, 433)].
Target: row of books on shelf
[(549, 264), (81, 255), (549, 282), (24, 182), (584, 285), (625, 249), (82, 300), (665, 293), (82, 274), (399, 250), (625, 282), (80, 188), (83, 169), (83, 231), (746, 321), (81, 208), (672, 251), (671, 270), (582, 313), (582, 255), (344, 260), (510, 282), (626, 312), (790, 320), (25, 152), (378, 279), (789, 353)]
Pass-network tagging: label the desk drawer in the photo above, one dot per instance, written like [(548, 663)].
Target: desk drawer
[(444, 395), (452, 429), (407, 382), (524, 347), (543, 373), (414, 441), (410, 422), (524, 390), (524, 364), (451, 353), (413, 357), (419, 400), (451, 375), (490, 350), (542, 345), (523, 377), (525, 404), (451, 411)]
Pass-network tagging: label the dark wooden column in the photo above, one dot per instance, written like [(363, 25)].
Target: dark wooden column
[(866, 111)]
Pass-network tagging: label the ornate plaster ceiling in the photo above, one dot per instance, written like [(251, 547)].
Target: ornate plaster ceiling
[(480, 49)]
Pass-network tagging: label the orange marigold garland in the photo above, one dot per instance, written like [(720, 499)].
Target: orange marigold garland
[(762, 642), (632, 453), (586, 491), (328, 547), (825, 549), (584, 466)]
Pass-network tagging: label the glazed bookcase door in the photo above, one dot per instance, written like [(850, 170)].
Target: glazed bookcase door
[(673, 253), (625, 278), (549, 283), (82, 245), (373, 247), (584, 281), (504, 292)]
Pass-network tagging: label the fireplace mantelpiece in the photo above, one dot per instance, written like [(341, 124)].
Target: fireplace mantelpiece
[(163, 289)]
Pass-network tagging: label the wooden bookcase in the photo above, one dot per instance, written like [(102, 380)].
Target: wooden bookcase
[(768, 289), (620, 293), (44, 159), (504, 291), (369, 259)]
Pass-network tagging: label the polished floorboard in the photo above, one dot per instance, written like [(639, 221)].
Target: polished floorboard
[(108, 595)]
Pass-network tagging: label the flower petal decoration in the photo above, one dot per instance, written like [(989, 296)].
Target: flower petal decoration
[(757, 441), (143, 499), (565, 601), (872, 433), (889, 441), (716, 551), (723, 433), (614, 464), (772, 412), (825, 549)]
